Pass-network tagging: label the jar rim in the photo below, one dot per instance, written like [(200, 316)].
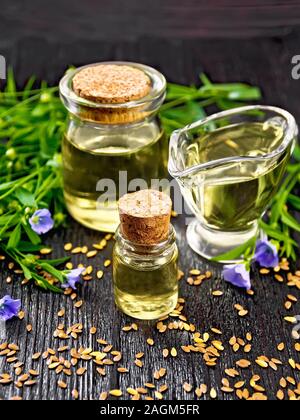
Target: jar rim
[(157, 91)]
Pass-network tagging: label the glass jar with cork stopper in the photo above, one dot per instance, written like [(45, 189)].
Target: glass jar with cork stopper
[(113, 137), (145, 257)]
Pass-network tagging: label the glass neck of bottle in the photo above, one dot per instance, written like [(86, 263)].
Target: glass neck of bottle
[(151, 251)]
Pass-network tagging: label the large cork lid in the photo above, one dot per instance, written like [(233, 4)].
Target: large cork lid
[(145, 217), (111, 83)]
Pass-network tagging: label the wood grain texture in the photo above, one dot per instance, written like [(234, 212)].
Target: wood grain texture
[(115, 19), (265, 62)]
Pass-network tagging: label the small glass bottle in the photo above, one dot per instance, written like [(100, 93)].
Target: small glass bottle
[(145, 264), (113, 137)]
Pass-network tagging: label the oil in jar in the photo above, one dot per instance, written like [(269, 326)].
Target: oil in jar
[(94, 168)]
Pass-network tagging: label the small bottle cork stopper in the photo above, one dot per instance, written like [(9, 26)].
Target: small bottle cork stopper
[(111, 83), (145, 217)]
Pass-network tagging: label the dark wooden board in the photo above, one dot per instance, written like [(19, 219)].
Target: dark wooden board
[(263, 61), (116, 19)]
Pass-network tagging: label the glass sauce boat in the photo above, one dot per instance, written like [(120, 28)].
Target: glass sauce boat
[(229, 167)]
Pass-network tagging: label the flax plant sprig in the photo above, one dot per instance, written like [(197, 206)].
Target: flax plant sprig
[(31, 127), (32, 123)]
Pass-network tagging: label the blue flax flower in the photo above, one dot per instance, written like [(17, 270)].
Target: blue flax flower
[(266, 253), (238, 275), (72, 278), (41, 221)]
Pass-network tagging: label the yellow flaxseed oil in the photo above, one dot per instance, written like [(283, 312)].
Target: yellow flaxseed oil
[(101, 163), (144, 288)]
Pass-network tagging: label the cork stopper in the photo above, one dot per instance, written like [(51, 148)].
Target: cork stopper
[(145, 217), (111, 83)]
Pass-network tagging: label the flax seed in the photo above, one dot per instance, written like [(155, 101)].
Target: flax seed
[(91, 254), (150, 341), (262, 363), (103, 396), (283, 383), (138, 363), (122, 370), (30, 383), (101, 371), (290, 319), (195, 272), (292, 363), (227, 390), (132, 391), (280, 395), (158, 395), (236, 347), (232, 373), (116, 393), (213, 393), (93, 330), (156, 375), (217, 293), (76, 250), (243, 363), (100, 274), (239, 384), (36, 356), (187, 387), (33, 372), (173, 352), (165, 353), (291, 380), (62, 384), (139, 355), (81, 371), (149, 385), (279, 278), (247, 348), (23, 378), (198, 392), (280, 347), (6, 381), (232, 341), (292, 298)]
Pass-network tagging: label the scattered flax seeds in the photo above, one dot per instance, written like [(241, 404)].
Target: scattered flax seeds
[(202, 343)]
